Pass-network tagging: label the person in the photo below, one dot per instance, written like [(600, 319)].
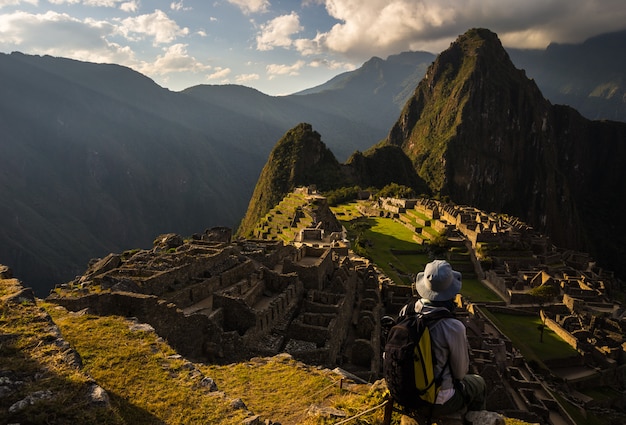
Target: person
[(438, 286)]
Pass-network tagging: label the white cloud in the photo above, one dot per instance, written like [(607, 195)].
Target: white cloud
[(101, 3), (251, 6), (175, 59), (219, 73), (130, 6), (64, 1), (59, 34), (278, 69), (309, 46), (5, 3), (383, 27), (157, 25), (278, 32), (331, 64), (44, 32), (246, 78), (178, 5), (93, 3)]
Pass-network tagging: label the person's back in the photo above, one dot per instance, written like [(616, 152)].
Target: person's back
[(438, 286)]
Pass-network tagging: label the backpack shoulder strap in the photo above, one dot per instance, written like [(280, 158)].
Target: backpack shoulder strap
[(410, 309), (436, 317)]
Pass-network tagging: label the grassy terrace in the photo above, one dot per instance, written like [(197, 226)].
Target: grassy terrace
[(277, 222), (525, 334), (149, 384), (29, 347), (385, 237)]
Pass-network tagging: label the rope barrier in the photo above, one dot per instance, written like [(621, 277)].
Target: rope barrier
[(363, 413)]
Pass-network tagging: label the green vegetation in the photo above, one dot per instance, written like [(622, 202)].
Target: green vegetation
[(300, 158), (342, 195), (473, 290), (526, 335), (392, 246), (394, 190), (28, 348), (148, 383), (389, 244)]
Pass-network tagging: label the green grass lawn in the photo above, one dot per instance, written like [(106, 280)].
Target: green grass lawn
[(525, 335), (473, 290), (385, 236)]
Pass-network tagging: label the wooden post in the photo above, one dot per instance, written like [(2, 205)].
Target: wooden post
[(388, 411)]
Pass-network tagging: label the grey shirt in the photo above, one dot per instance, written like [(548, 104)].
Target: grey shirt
[(450, 341)]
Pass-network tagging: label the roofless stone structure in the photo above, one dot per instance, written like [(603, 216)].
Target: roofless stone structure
[(221, 300)]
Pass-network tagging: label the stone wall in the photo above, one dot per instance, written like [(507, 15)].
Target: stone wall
[(557, 329), (314, 267), (195, 336)]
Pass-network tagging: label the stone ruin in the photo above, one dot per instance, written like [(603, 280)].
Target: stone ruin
[(219, 300)]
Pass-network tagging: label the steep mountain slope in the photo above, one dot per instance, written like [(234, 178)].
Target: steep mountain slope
[(374, 94), (300, 158), (478, 130), (347, 132), (590, 76), (97, 158)]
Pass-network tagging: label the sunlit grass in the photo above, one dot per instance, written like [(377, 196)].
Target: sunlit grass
[(33, 359), (525, 334), (386, 237), (147, 382)]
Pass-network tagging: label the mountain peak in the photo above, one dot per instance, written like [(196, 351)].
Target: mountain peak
[(474, 78), (481, 133), (300, 158)]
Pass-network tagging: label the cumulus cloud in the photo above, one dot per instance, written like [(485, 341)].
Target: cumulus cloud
[(130, 6), (46, 32), (251, 6), (246, 78), (156, 25), (174, 59), (59, 34), (384, 27), (178, 5), (279, 69), (219, 73), (331, 64), (278, 31), (5, 3), (93, 3)]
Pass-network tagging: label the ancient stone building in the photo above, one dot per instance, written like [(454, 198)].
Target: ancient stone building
[(222, 301)]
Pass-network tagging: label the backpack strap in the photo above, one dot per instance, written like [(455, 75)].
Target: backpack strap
[(410, 309)]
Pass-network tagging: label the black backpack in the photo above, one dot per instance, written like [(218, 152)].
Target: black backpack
[(408, 364)]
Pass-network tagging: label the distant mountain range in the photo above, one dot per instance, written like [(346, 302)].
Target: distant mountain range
[(98, 158)]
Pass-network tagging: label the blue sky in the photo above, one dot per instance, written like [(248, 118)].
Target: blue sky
[(280, 47)]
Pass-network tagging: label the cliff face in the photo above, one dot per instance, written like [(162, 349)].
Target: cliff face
[(480, 132)]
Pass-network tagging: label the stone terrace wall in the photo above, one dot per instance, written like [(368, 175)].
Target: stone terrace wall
[(315, 275), (195, 336)]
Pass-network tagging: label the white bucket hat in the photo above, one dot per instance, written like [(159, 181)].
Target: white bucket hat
[(438, 282)]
